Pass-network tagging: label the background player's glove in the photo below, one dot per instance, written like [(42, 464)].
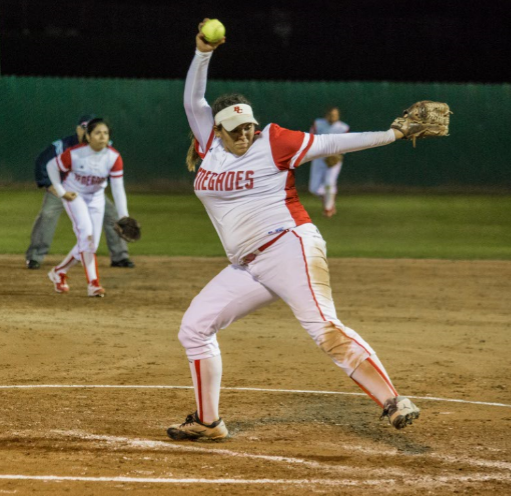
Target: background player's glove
[(424, 119), (332, 160), (128, 229)]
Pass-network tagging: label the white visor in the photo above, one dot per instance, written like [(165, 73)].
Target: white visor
[(235, 115)]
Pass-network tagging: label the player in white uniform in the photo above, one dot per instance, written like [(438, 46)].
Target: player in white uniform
[(246, 183), (88, 167), (325, 170)]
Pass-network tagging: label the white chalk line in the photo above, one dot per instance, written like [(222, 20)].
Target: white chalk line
[(169, 446), (445, 458), (144, 444), (419, 481), (404, 476), (120, 442), (156, 480), (296, 391)]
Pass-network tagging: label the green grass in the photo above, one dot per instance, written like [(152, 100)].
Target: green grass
[(367, 225)]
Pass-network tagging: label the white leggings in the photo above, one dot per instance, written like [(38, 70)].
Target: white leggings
[(323, 177), (86, 213), (294, 269)]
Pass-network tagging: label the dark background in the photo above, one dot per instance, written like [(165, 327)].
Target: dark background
[(365, 40)]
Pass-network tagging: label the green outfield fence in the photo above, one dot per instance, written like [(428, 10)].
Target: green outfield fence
[(151, 132)]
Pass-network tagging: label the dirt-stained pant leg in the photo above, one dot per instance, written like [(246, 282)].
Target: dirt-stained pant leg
[(295, 268), (230, 295)]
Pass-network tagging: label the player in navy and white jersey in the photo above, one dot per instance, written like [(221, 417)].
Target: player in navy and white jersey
[(246, 182)]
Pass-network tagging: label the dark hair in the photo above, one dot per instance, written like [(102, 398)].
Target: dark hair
[(331, 108), (93, 124), (224, 101)]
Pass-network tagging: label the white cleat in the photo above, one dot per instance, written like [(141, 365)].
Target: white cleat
[(193, 428), (400, 411), (95, 289), (59, 281)]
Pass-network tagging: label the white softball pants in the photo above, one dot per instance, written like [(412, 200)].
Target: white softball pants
[(295, 269), (323, 178), (86, 213)]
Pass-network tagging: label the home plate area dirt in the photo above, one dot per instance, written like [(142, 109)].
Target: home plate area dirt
[(88, 386)]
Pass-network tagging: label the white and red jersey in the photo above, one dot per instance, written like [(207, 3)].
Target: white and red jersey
[(252, 197), (86, 170)]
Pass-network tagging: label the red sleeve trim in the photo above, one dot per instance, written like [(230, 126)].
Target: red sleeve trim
[(208, 145), (284, 145), (64, 160), (298, 161), (118, 166)]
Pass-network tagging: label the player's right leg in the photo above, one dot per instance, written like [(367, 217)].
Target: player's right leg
[(229, 296), (318, 170), (43, 230)]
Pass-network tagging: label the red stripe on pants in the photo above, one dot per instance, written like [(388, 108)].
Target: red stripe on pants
[(199, 386), (366, 391), (85, 268), (383, 376), (316, 301)]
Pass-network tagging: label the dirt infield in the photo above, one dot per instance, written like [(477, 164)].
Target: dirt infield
[(442, 329)]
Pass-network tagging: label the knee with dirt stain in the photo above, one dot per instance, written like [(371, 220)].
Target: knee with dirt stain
[(333, 342)]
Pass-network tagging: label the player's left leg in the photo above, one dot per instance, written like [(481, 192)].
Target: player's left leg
[(96, 210), (301, 257)]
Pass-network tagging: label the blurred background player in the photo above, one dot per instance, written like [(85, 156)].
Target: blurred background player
[(325, 171), (47, 219), (87, 168)]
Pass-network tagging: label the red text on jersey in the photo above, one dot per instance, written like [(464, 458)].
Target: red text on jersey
[(224, 181), (89, 180)]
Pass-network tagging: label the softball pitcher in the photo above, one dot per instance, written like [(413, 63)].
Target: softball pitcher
[(88, 167), (247, 185)]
